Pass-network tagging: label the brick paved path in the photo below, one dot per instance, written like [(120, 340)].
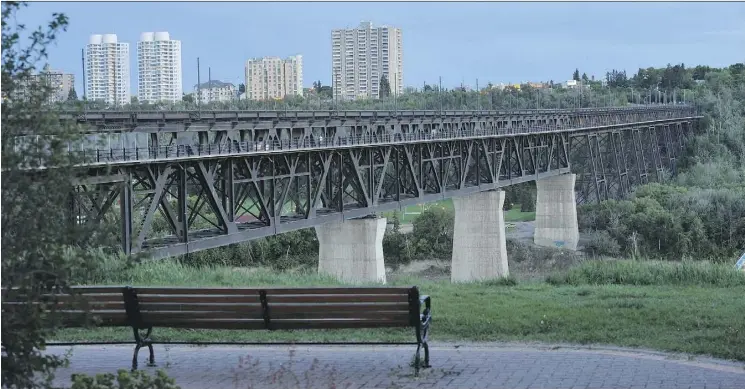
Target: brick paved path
[(462, 367)]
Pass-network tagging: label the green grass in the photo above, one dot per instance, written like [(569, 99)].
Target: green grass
[(412, 212), (681, 314), (515, 215)]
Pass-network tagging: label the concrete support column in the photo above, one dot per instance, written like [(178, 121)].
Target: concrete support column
[(352, 251), (479, 245), (556, 212)]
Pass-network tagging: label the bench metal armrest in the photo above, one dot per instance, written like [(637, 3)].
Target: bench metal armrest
[(427, 314)]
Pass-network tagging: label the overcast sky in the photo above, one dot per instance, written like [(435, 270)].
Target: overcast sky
[(497, 42)]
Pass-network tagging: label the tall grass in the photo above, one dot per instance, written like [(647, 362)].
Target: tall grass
[(174, 273), (628, 272)]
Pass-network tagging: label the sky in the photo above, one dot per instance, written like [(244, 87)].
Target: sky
[(460, 42)]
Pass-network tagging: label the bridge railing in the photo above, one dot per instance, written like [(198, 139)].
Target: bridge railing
[(89, 155)]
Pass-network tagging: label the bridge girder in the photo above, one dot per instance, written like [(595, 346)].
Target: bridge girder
[(180, 205)]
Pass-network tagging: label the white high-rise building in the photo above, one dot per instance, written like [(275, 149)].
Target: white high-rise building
[(361, 56), (159, 65), (274, 78), (107, 69)]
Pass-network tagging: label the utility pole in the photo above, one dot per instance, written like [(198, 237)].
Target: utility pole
[(439, 92), (199, 88), (478, 94), (82, 60)]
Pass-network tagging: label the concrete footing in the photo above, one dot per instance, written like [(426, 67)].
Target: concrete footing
[(556, 212), (352, 251), (479, 245)]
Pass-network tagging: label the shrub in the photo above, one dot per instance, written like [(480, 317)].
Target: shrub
[(519, 252), (601, 243), (137, 379), (432, 237), (397, 249)]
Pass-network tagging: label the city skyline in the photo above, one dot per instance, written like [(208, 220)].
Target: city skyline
[(492, 42)]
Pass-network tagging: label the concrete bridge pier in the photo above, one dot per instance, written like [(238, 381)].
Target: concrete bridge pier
[(479, 244), (352, 250), (556, 212)]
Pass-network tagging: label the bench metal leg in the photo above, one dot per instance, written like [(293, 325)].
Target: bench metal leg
[(141, 341)]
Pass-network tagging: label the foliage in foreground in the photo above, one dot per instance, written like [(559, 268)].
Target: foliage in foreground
[(43, 250), (124, 380)]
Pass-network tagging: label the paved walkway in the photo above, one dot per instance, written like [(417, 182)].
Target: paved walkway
[(462, 367)]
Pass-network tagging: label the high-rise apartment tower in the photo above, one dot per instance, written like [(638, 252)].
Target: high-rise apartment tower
[(159, 65), (107, 69), (361, 56)]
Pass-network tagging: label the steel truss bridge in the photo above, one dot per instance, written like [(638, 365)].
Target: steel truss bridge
[(203, 180)]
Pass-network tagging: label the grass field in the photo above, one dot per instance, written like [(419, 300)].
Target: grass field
[(684, 308), (413, 211)]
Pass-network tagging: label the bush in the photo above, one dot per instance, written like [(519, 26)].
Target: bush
[(671, 222), (397, 249), (294, 249), (601, 243), (650, 273), (432, 237), (519, 252), (137, 379)]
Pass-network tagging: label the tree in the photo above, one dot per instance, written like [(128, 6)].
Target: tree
[(385, 87), (188, 98), (584, 78), (72, 95), (42, 247), (575, 76), (241, 88)]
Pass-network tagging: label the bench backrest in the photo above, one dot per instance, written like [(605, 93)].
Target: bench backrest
[(104, 305), (248, 308)]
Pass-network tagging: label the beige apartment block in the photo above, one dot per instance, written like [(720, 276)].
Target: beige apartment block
[(274, 78), (361, 56)]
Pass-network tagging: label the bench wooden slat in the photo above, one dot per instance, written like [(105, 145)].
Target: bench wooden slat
[(253, 324), (270, 291), (188, 307), (383, 298), (217, 324), (349, 307), (179, 315), (204, 299), (382, 315), (292, 324), (342, 291), (71, 298)]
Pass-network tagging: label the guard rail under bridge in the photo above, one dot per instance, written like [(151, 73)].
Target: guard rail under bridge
[(173, 200)]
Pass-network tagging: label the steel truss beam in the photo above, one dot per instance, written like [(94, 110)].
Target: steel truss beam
[(169, 208), (610, 163)]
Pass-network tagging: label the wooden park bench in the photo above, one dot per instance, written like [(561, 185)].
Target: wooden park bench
[(145, 308)]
